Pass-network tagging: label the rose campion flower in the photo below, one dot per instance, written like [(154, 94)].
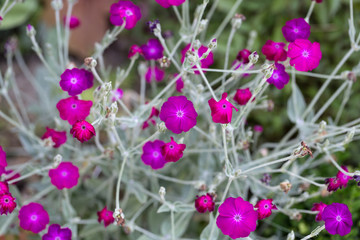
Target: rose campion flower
[(127, 10), (7, 203), (243, 56), (3, 162), (204, 63), (152, 50), (152, 154), (343, 178), (169, 3), (155, 73), (279, 76), (296, 28), (66, 175), (134, 50), (179, 114), (179, 84), (242, 96), (264, 207), (106, 216), (333, 184), (338, 219), (72, 109), (221, 111), (172, 151), (10, 174), (205, 203), (274, 51), (73, 23), (55, 232), (320, 208), (75, 81), (59, 138), (33, 217), (237, 218), (4, 188), (83, 131), (258, 128), (304, 55)]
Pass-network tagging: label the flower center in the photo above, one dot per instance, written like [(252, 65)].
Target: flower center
[(73, 80), (224, 106), (237, 218), (128, 12), (305, 54), (205, 201), (73, 106), (296, 30), (83, 127), (338, 218), (57, 238), (155, 154), (64, 173), (171, 146), (277, 46), (266, 206), (275, 76), (6, 200), (180, 114), (33, 217)]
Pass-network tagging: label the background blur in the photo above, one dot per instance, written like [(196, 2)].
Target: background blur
[(329, 26)]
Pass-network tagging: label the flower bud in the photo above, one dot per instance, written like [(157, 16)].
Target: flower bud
[(237, 20), (162, 193), (213, 44), (197, 44), (202, 25), (57, 160), (161, 127), (30, 30), (57, 5), (90, 62), (253, 58), (285, 186)]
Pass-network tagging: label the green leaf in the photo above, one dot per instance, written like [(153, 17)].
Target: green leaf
[(19, 14), (205, 234), (163, 208)]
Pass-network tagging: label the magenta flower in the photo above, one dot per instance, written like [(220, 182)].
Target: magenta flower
[(4, 188), (237, 218), (75, 81), (169, 3), (73, 23), (106, 216), (83, 131), (59, 138), (152, 50), (242, 96), (258, 128), (179, 114), (333, 184), (179, 84), (172, 151), (66, 175), (7, 203), (3, 162), (343, 178), (243, 56), (117, 94), (264, 207), (134, 49), (72, 109), (204, 203), (304, 55), (296, 28), (279, 77), (127, 10), (204, 63), (33, 217), (318, 1), (155, 73), (320, 208), (274, 51), (152, 154), (55, 232), (221, 111), (338, 219), (154, 113)]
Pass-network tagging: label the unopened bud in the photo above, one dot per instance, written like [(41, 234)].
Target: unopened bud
[(291, 236), (285, 186), (57, 160), (90, 62), (197, 44), (253, 57), (237, 20), (161, 127), (162, 193), (30, 30), (349, 137), (202, 25), (57, 5), (213, 44)]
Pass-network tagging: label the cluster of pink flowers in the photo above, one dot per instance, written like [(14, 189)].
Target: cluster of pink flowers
[(340, 181), (156, 154)]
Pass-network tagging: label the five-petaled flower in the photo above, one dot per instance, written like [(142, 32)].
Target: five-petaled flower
[(221, 111)]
